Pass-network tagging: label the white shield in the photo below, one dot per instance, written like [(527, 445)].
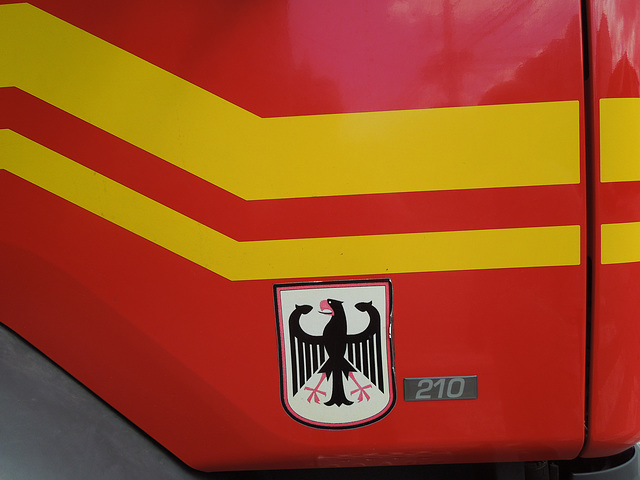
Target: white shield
[(335, 352)]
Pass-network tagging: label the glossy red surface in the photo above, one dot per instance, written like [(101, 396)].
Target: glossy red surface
[(614, 416), (284, 58), (163, 340), (157, 336)]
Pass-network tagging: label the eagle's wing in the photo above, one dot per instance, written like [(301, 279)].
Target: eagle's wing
[(364, 349), (307, 351)]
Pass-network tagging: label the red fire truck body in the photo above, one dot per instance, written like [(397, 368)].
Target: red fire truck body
[(312, 234)]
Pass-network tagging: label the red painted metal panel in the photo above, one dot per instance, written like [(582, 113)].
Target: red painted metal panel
[(614, 417), (192, 358), (158, 337)]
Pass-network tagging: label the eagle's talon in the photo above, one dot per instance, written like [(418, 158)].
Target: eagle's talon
[(315, 391), (363, 394)]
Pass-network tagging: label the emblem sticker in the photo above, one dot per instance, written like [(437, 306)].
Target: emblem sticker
[(336, 367)]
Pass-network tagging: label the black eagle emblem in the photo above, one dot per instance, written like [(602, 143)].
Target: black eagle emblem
[(336, 354)]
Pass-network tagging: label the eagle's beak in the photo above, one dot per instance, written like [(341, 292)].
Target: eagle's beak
[(325, 308)]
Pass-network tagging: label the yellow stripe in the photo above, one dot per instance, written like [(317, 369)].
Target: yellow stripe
[(256, 158), (619, 139), (317, 257), (620, 242)]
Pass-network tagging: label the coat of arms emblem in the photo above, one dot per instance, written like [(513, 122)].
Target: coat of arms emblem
[(335, 352)]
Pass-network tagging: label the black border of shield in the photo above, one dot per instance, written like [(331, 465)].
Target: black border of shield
[(392, 372)]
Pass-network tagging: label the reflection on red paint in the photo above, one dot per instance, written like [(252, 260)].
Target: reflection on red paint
[(282, 58)]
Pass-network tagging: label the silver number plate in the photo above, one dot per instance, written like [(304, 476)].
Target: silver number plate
[(440, 388)]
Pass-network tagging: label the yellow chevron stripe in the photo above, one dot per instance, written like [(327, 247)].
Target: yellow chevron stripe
[(255, 158), (300, 258), (620, 242), (619, 139)]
